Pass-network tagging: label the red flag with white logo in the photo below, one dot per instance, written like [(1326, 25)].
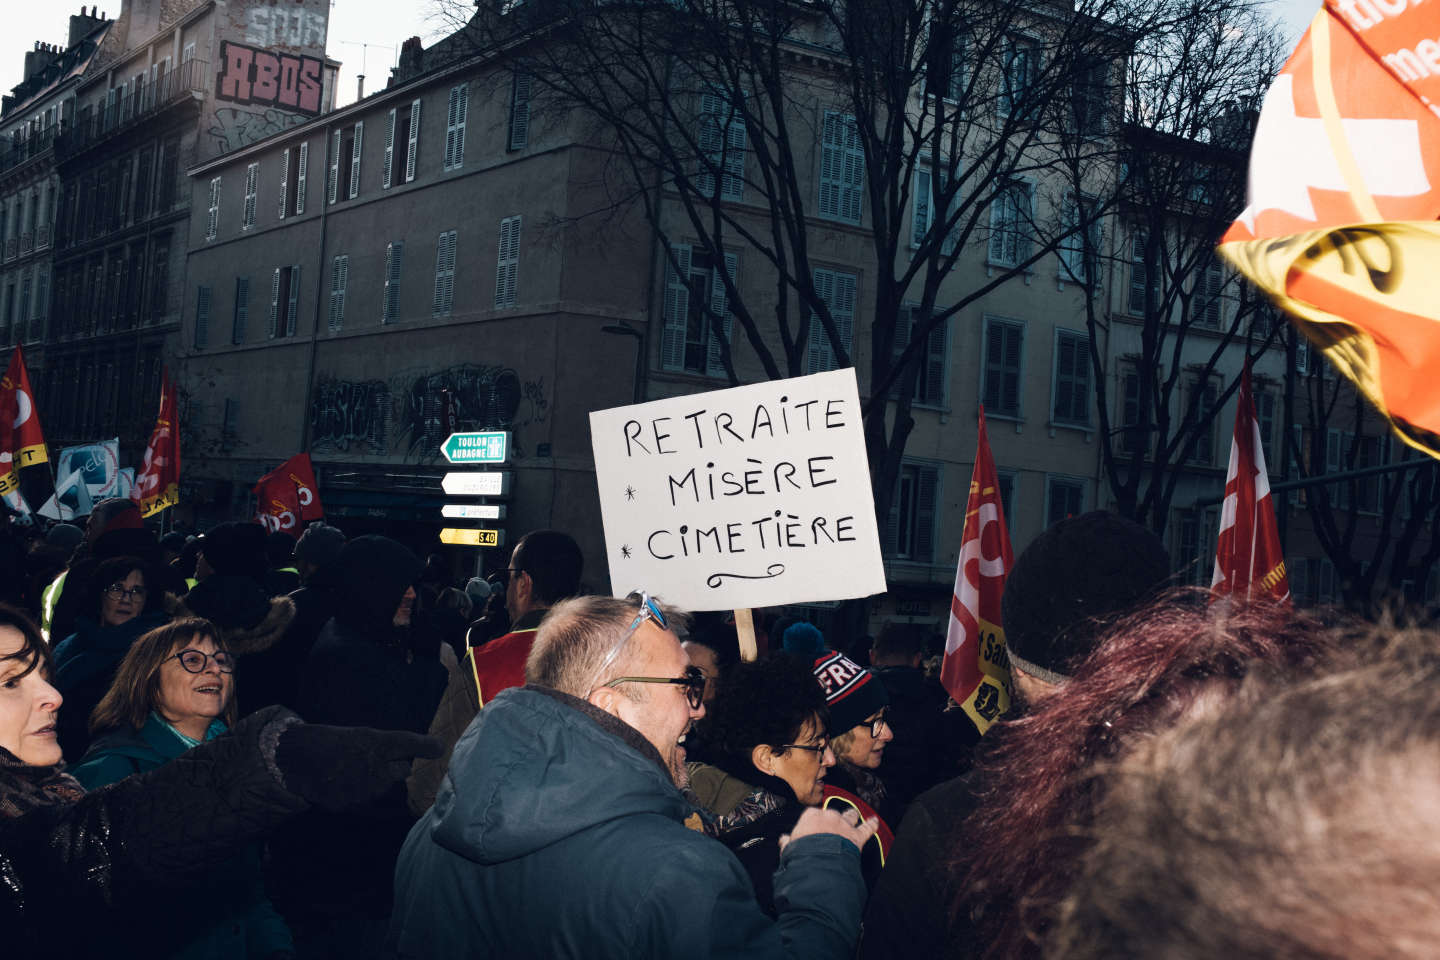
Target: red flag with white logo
[(157, 485), (976, 670), (287, 498), (1249, 563), (22, 442)]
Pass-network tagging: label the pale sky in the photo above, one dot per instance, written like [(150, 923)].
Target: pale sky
[(383, 24)]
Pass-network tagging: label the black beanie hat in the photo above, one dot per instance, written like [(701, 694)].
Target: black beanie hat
[(236, 547), (851, 692), (1079, 571)]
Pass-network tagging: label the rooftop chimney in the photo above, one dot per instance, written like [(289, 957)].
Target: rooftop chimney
[(81, 26), (38, 59), (360, 86)]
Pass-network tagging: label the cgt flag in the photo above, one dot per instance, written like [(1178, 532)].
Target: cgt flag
[(287, 498), (157, 485), (976, 671), (22, 443), (1344, 192), (1248, 561)]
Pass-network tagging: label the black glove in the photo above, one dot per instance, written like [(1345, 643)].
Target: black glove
[(341, 768)]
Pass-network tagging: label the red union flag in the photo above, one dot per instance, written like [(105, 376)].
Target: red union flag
[(291, 491), (22, 443), (976, 671), (1344, 192), (157, 485), (1248, 561)]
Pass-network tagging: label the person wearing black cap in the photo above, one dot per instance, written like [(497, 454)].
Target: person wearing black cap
[(1068, 583), (230, 594), (859, 733)]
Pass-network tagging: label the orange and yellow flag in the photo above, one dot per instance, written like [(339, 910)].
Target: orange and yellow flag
[(1344, 193)]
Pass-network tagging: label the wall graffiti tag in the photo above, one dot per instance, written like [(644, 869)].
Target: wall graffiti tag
[(252, 75), (236, 127), (348, 414), (407, 417), (277, 27)]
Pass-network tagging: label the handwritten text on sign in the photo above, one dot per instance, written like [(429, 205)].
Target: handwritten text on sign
[(748, 497)]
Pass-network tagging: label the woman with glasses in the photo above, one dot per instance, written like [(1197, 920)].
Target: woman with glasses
[(768, 754), (174, 690), (119, 606)]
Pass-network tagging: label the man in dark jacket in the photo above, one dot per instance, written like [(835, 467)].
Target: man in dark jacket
[(545, 567), (561, 830), (331, 876), (1067, 583)]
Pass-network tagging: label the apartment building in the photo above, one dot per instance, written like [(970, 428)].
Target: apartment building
[(171, 82), (31, 117)]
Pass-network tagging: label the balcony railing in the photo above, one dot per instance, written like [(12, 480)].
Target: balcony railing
[(29, 148), (92, 126)]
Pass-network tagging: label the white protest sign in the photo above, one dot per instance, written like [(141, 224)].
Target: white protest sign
[(753, 496)]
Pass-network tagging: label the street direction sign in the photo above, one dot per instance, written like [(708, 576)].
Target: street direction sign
[(473, 511), (461, 536), (477, 447), (488, 483)]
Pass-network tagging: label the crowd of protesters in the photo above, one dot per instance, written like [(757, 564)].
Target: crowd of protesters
[(329, 747)]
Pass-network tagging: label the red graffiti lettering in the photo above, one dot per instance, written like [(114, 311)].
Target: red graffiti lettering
[(267, 77), (235, 76), (249, 75)]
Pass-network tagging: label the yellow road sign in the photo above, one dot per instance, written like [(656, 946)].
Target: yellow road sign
[(464, 537)]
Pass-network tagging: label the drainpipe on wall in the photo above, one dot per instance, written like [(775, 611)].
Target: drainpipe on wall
[(319, 291)]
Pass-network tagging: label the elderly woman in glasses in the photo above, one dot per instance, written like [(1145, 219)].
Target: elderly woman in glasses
[(174, 690), (764, 738), (119, 606)]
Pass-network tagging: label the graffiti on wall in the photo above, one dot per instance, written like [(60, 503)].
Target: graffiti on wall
[(350, 415), (235, 127), (253, 75), (407, 417), (278, 27)]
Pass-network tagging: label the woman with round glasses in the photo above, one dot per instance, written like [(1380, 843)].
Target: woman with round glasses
[(765, 740), (174, 690), (119, 606)]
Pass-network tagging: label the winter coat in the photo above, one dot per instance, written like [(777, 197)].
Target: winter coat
[(251, 624), (750, 821), (126, 542), (85, 665), (559, 833), (223, 915), (911, 911), (94, 878), (931, 744), (499, 665)]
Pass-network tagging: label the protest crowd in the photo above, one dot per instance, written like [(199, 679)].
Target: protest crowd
[(244, 744)]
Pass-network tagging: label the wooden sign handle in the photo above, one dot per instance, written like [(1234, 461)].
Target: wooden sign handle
[(745, 630)]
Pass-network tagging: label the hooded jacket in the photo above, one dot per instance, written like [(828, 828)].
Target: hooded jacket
[(558, 833), (251, 624)]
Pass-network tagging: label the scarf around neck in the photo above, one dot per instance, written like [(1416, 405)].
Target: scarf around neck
[(25, 787)]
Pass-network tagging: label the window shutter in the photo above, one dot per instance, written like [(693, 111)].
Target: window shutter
[(437, 299), (927, 483), (1012, 369), (830, 164), (818, 357), (450, 274), (389, 150), (934, 391), (414, 144), (391, 310), (300, 178), (507, 262), (284, 180), (920, 215), (733, 186), (252, 177), (275, 307), (293, 307), (242, 309), (333, 318), (677, 309), (1139, 283), (355, 159), (450, 109), (999, 221), (904, 329), (854, 172), (334, 168), (462, 109), (202, 317), (890, 536), (520, 111), (721, 319), (213, 224), (710, 141)]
